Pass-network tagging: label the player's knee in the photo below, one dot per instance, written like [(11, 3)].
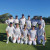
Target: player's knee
[(34, 43), (29, 42), (25, 42), (21, 42), (18, 41), (14, 41)]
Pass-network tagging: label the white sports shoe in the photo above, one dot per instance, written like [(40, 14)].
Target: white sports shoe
[(7, 42)]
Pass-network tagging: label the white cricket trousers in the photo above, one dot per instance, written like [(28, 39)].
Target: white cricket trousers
[(41, 38), (32, 41), (16, 39)]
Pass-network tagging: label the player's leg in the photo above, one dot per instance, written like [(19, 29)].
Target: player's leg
[(26, 41), (39, 40), (34, 43), (21, 41), (14, 40), (18, 40), (43, 40), (7, 40), (30, 42)]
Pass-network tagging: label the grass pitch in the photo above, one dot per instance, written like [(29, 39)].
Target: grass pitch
[(11, 46)]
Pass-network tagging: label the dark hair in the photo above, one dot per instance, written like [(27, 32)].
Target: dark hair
[(40, 16), (28, 15), (17, 24), (11, 16), (22, 14), (11, 23), (16, 16), (25, 25)]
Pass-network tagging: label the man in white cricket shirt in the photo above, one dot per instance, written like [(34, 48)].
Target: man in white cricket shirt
[(22, 22), (24, 33), (16, 20), (11, 20), (41, 35), (35, 21), (42, 22), (28, 23), (7, 21), (17, 34), (32, 36), (9, 32)]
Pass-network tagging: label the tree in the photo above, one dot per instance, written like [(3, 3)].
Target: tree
[(4, 17)]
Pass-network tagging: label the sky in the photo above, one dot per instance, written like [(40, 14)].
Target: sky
[(26, 7)]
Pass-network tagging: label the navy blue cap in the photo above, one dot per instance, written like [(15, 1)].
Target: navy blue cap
[(11, 23), (22, 14), (28, 15)]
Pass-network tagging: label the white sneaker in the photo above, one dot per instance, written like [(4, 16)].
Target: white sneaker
[(7, 42), (43, 44)]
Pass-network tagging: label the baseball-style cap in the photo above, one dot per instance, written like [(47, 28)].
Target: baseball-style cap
[(11, 23), (28, 15), (22, 14)]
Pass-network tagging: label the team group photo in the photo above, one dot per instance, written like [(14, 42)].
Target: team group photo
[(26, 31), (24, 24)]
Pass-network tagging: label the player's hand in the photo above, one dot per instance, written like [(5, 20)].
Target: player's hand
[(29, 39), (13, 38), (18, 38), (35, 39), (45, 38)]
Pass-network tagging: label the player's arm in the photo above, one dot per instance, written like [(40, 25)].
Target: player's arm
[(44, 35), (44, 24), (29, 37), (35, 37)]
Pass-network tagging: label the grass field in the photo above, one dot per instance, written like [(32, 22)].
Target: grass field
[(11, 46)]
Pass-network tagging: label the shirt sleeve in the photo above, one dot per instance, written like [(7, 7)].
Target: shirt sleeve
[(7, 28), (44, 24)]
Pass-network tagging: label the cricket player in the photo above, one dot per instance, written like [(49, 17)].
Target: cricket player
[(42, 22), (16, 21), (22, 22), (17, 34), (35, 21), (28, 23), (7, 21), (24, 33), (9, 32), (41, 35), (32, 36), (11, 20)]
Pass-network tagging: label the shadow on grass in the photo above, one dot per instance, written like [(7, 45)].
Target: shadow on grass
[(41, 47), (3, 37)]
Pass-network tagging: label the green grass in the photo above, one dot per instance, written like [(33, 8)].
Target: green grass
[(11, 46)]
